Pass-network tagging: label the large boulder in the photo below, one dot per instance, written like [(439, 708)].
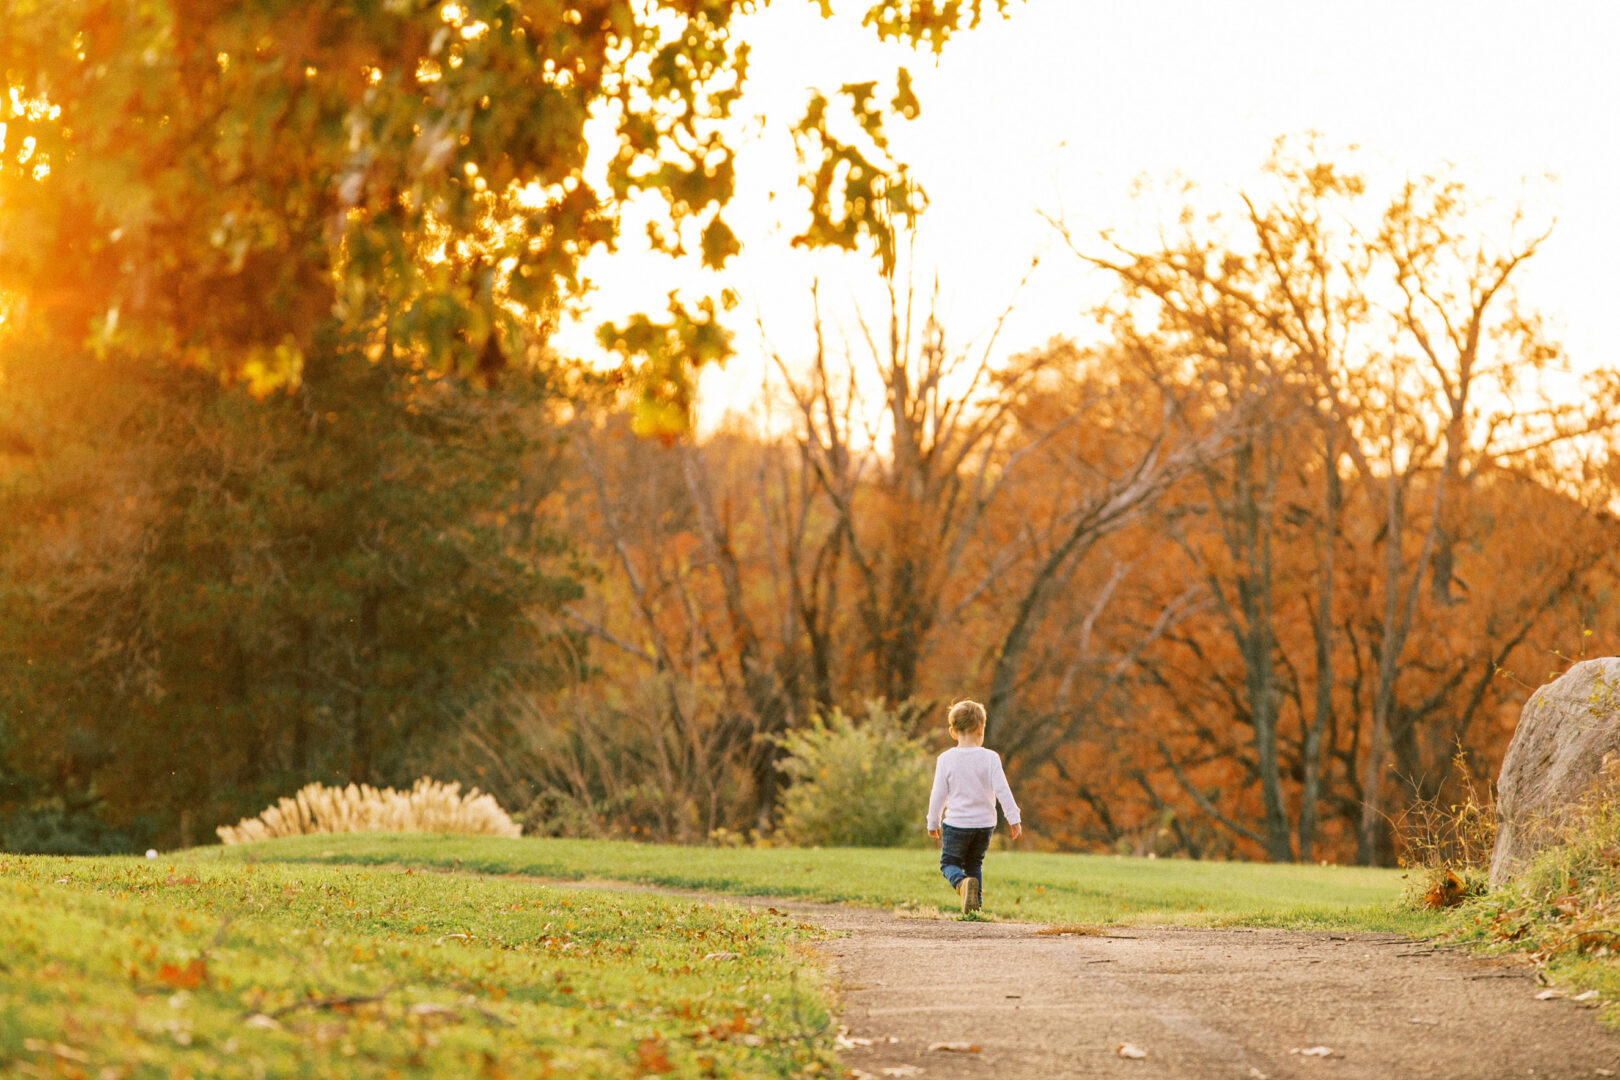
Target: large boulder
[(1557, 754)]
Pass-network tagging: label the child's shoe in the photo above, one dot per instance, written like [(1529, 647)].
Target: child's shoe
[(969, 890)]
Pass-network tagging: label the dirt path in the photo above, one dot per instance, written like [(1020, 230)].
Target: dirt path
[(1201, 1004)]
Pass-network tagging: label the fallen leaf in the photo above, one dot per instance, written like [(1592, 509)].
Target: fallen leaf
[(901, 1070), (1588, 996), (1550, 993), (1447, 892), (1130, 1050), (259, 1020), (1313, 1051), (183, 978), (957, 1047), (430, 1008), (651, 1057), (720, 956), (61, 1050)]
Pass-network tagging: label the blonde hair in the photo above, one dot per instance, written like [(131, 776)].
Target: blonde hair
[(966, 716)]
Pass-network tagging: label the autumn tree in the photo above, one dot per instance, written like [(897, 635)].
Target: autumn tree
[(210, 597), (233, 185), (1391, 359), (368, 217)]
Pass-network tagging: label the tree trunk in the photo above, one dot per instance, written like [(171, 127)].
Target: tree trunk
[(1370, 834), (362, 722), (1322, 631)]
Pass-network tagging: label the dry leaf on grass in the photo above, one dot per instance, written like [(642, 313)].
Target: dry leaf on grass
[(1590, 995), (651, 1058), (56, 1049), (1130, 1050), (720, 956), (259, 1020), (958, 1047)]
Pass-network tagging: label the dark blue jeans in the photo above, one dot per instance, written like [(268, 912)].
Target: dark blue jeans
[(961, 853)]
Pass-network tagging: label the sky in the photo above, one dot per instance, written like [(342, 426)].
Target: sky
[(1056, 112)]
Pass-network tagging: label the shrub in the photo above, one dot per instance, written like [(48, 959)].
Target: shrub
[(429, 806), (54, 829), (854, 785), (1448, 845)]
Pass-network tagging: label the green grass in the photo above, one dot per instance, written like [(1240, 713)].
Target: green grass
[(1025, 886), (1563, 909), (341, 957), (201, 966)]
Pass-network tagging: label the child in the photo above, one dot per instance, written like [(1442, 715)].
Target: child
[(967, 782)]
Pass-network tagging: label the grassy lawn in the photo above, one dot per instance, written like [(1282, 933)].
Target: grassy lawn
[(200, 966), (342, 957), (1019, 885)]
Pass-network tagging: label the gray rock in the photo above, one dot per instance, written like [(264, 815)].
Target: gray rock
[(1557, 754)]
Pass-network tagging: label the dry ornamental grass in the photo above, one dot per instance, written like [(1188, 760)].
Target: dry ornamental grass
[(430, 806)]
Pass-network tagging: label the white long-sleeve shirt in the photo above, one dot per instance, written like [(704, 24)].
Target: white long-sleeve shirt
[(967, 782)]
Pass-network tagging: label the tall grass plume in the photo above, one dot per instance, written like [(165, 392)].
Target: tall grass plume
[(430, 806)]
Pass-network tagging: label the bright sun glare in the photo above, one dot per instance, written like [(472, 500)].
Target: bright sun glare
[(1057, 110)]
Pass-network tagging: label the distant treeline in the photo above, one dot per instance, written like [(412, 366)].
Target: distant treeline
[(1243, 580)]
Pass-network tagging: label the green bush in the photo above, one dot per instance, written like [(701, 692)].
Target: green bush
[(854, 784), (54, 829)]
